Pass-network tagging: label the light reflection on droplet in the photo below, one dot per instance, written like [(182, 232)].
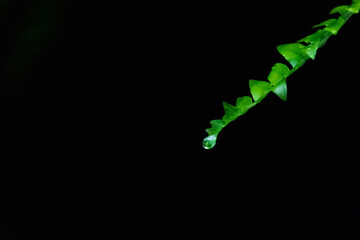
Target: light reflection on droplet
[(209, 142)]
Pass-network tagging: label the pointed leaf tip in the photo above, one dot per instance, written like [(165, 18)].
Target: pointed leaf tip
[(332, 25), (216, 126), (294, 53), (231, 112), (259, 89), (353, 8), (281, 90)]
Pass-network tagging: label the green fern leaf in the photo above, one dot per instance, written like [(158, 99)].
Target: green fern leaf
[(278, 73), (231, 112), (244, 103), (332, 25), (296, 54), (259, 89), (280, 90)]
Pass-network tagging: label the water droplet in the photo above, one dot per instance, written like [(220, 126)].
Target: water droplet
[(209, 142)]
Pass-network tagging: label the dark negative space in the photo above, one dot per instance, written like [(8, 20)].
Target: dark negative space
[(104, 107)]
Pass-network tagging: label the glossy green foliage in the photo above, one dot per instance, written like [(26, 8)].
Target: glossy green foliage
[(332, 25), (353, 8), (278, 73), (296, 54), (259, 89)]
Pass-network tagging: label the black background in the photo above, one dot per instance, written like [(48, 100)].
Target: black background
[(104, 107)]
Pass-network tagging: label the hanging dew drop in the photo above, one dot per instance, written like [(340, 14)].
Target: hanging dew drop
[(209, 142)]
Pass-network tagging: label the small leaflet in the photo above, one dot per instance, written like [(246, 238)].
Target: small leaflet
[(259, 89), (294, 53), (281, 90), (278, 73)]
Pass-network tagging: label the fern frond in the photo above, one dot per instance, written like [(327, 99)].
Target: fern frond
[(296, 54)]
